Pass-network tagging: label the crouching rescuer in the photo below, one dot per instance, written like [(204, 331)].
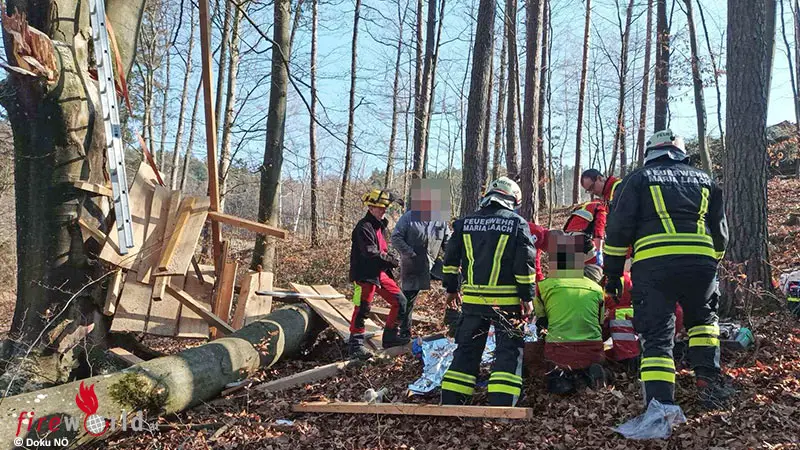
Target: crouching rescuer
[(674, 217), (371, 272), (493, 252)]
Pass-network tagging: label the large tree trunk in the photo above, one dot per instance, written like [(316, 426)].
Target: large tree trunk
[(312, 126), (576, 182), (230, 103), (488, 124), (529, 167), (348, 151), (542, 181), (173, 173), (164, 102), (501, 104), (432, 95), (749, 68), (168, 384), (619, 135), (512, 166), (422, 104), (699, 101), (662, 66), (264, 252), (58, 139), (223, 58), (640, 138), (476, 131)]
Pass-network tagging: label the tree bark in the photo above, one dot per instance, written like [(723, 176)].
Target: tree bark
[(230, 103), (163, 125), (312, 127), (716, 76), (662, 66), (576, 183), (476, 131), (422, 106), (58, 139), (699, 100), (187, 158), (501, 103), (223, 59), (418, 69), (512, 166), (529, 169), (173, 173), (488, 122), (348, 152), (640, 139), (619, 136), (746, 165), (388, 178), (543, 175), (264, 252), (168, 384)]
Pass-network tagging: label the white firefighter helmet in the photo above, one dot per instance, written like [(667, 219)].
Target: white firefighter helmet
[(503, 191), (665, 143)]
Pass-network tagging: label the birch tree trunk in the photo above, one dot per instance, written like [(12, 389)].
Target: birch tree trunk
[(662, 66), (312, 126)]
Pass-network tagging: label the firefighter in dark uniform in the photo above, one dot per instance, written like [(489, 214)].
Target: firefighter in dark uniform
[(674, 217), (493, 251)]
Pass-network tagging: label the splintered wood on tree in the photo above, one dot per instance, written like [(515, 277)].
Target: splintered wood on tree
[(140, 197), (180, 248), (154, 237), (134, 302), (414, 409), (172, 218), (113, 292), (249, 306), (91, 232), (93, 188), (165, 313), (200, 309), (191, 324)]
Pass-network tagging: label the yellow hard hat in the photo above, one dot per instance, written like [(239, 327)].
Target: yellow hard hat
[(378, 197)]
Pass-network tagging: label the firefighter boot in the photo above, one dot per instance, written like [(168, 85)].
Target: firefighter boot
[(357, 349), (391, 338), (714, 393), (560, 382), (597, 376)]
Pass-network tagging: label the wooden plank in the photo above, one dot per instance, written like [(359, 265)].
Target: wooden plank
[(200, 309), (326, 311), (125, 356), (305, 377), (383, 313), (113, 292), (139, 195), (251, 307), (415, 409), (345, 309), (165, 313), (134, 302), (92, 232), (192, 325), (224, 293), (176, 261), (172, 218), (211, 124), (93, 188), (175, 237), (256, 227), (154, 236)]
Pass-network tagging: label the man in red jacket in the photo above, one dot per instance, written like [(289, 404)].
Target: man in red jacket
[(589, 220), (596, 183)]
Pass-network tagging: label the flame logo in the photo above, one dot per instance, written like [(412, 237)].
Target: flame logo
[(86, 399)]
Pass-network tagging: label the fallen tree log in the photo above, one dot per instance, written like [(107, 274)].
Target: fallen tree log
[(160, 386)]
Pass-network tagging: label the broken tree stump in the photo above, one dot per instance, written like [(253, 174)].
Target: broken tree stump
[(164, 385)]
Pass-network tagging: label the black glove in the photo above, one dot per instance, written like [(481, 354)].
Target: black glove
[(614, 287)]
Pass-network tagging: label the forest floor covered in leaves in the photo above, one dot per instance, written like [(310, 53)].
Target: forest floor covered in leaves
[(765, 413)]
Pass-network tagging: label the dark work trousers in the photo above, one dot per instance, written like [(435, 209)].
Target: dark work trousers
[(657, 284), (505, 381), (407, 320)]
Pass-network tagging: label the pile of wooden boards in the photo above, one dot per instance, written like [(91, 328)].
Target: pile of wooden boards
[(158, 288)]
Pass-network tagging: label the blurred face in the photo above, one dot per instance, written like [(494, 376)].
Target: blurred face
[(565, 255), (594, 187), (377, 211), (430, 199)]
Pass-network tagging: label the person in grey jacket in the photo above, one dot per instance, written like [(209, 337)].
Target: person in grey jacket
[(419, 236)]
